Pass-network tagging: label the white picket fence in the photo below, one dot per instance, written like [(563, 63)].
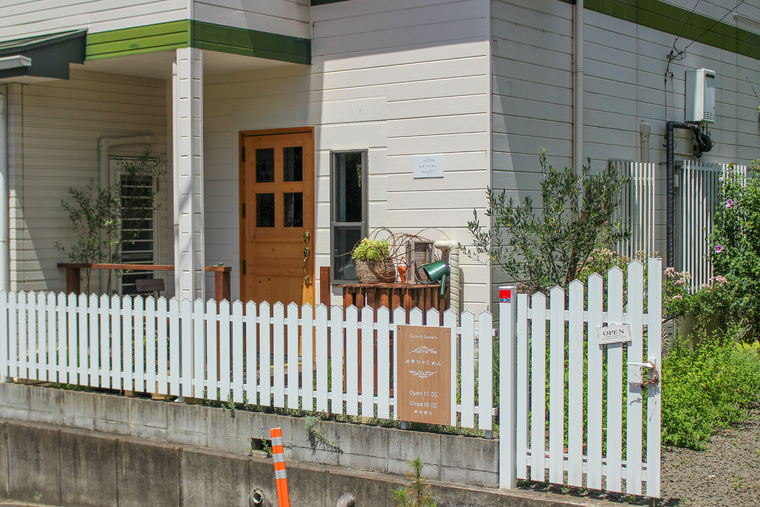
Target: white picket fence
[(697, 198), (134, 344), (309, 359), (637, 209), (697, 195)]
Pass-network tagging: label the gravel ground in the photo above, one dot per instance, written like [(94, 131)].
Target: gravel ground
[(727, 474)]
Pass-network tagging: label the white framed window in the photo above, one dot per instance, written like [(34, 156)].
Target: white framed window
[(348, 205), (139, 225)]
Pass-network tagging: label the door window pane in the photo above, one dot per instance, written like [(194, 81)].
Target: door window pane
[(293, 209), (292, 160), (265, 165), (264, 210)]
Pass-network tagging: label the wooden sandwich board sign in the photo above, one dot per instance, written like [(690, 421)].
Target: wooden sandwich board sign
[(424, 374)]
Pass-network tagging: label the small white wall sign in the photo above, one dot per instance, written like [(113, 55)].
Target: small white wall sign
[(614, 333), (428, 166)]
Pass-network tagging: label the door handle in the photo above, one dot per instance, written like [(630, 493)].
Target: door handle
[(306, 254)]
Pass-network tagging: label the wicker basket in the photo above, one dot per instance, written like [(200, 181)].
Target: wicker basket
[(375, 271)]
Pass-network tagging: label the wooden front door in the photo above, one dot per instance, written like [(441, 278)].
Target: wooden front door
[(277, 216)]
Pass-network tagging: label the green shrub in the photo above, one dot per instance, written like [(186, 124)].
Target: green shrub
[(548, 245), (415, 494), (736, 253), (706, 388)]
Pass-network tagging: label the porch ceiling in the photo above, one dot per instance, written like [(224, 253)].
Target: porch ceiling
[(158, 65)]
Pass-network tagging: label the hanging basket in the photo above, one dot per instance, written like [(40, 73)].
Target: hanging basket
[(381, 271)]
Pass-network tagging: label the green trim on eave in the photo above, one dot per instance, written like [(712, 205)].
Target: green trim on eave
[(138, 40), (669, 18), (201, 35), (240, 41)]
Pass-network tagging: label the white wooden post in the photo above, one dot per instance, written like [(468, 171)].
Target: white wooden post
[(507, 387), (187, 101)]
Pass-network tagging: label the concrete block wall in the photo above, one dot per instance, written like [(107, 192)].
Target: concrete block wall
[(60, 466), (448, 458)]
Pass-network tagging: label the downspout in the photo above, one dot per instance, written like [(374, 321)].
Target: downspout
[(452, 247), (5, 266), (578, 87), (104, 174), (704, 143)]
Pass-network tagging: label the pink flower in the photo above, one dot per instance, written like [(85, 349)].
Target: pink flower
[(718, 248), (729, 203), (678, 296), (720, 279)]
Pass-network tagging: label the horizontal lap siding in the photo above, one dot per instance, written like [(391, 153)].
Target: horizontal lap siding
[(625, 84), (35, 17), (62, 123), (625, 68), (429, 61), (399, 78), (532, 94), (286, 17)]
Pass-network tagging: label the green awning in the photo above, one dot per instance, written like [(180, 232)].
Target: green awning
[(44, 56)]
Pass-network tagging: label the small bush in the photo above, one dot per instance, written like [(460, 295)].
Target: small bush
[(415, 494), (707, 388), (548, 244), (736, 252)]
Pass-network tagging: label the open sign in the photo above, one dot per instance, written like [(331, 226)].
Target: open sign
[(615, 333)]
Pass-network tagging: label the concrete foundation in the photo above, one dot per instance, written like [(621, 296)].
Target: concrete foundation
[(73, 448)]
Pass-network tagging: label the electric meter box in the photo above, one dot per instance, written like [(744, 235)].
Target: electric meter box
[(700, 96)]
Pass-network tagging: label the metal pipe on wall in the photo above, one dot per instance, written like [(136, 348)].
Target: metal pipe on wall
[(578, 87), (704, 143), (5, 266)]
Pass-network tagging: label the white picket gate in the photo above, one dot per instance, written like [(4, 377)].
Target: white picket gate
[(342, 361), (539, 435)]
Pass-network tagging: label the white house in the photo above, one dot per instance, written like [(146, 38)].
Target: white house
[(296, 126)]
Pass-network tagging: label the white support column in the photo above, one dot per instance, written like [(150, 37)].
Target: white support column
[(187, 102)]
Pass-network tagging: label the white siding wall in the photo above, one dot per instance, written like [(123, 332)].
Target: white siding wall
[(625, 84), (286, 17), (400, 78), (55, 147), (532, 94), (25, 18)]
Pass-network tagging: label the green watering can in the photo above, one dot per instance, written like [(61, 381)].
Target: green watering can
[(437, 272)]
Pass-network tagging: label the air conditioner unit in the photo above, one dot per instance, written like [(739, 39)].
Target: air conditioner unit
[(700, 96)]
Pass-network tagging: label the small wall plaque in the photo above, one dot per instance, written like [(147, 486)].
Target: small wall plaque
[(428, 166), (614, 333)]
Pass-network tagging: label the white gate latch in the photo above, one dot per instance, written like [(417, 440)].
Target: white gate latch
[(654, 377)]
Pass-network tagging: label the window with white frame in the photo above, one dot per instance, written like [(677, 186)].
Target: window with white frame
[(138, 225), (348, 178)]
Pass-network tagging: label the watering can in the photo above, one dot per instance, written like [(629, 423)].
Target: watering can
[(437, 272)]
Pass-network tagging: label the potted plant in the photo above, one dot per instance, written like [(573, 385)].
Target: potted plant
[(373, 261)]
